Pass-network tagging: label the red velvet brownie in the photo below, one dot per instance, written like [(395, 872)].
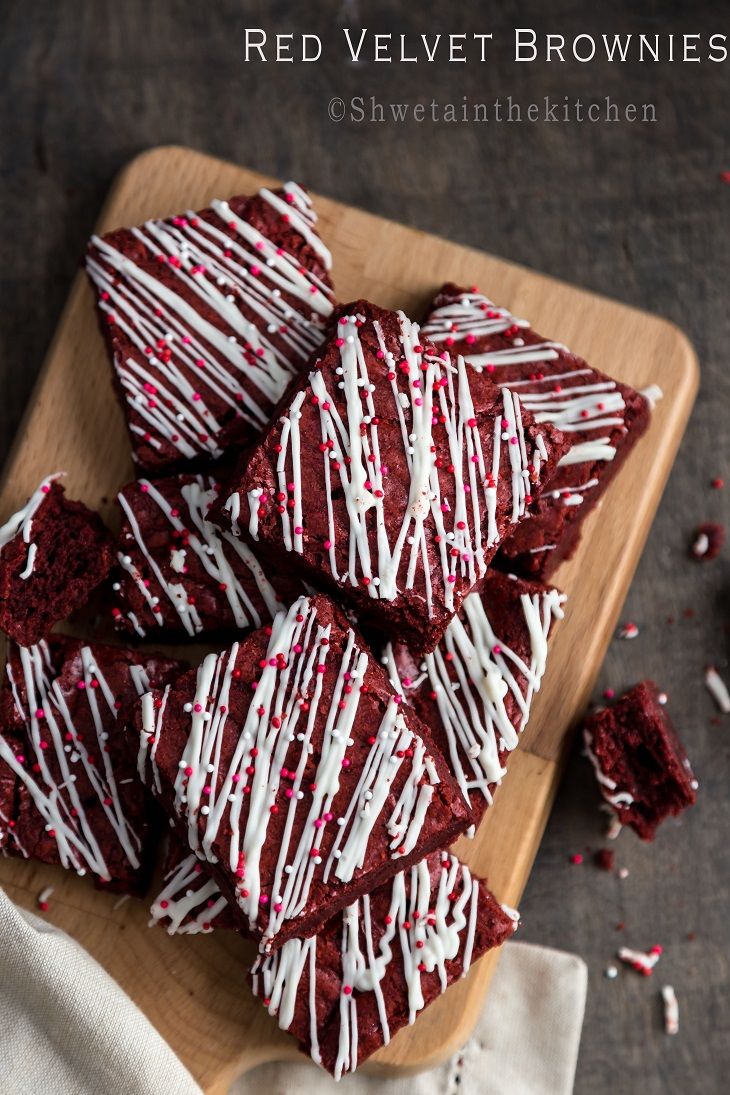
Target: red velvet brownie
[(602, 418), (53, 553), (69, 792), (179, 574), (344, 993), (475, 690), (296, 774), (392, 475), (207, 316), (639, 761)]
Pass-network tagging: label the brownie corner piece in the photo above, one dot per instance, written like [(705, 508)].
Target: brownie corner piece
[(207, 317), (53, 554), (296, 774), (476, 688), (602, 418), (639, 761), (69, 791), (392, 474)]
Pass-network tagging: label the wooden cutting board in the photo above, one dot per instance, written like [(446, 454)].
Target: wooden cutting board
[(193, 989)]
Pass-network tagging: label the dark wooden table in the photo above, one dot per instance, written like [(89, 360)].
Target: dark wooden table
[(634, 211)]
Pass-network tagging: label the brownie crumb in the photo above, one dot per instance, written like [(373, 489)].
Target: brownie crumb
[(604, 859)]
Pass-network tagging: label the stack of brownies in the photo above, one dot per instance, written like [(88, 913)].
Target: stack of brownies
[(359, 513)]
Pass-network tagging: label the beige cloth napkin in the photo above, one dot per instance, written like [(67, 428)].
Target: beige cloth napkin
[(66, 1028)]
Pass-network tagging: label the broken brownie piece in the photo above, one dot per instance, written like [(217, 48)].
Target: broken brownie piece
[(639, 761), (69, 791), (475, 690), (392, 475), (602, 418), (178, 573), (207, 316), (295, 773), (53, 554), (344, 993), (189, 902)]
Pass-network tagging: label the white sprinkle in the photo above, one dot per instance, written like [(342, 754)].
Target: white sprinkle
[(610, 972), (717, 689), (671, 1010), (623, 872)]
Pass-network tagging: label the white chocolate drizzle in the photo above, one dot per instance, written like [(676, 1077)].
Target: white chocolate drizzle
[(473, 674), (21, 523), (188, 903), (184, 358), (225, 559), (430, 400), (226, 800)]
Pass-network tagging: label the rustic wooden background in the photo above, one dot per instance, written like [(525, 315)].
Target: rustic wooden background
[(636, 212)]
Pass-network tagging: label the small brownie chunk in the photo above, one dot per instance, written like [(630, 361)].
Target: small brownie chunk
[(69, 791), (475, 690), (53, 553), (189, 902), (639, 761), (373, 968), (602, 418), (392, 475), (293, 769), (207, 316), (179, 574)]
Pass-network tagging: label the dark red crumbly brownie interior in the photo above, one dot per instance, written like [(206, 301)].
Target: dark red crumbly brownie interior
[(63, 706), (475, 690), (636, 747), (290, 761), (596, 412), (205, 326), (179, 574), (411, 919), (73, 554), (385, 488)]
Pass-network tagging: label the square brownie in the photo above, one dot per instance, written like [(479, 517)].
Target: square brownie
[(475, 690), (295, 772), (53, 553), (602, 418), (179, 574), (392, 475), (372, 969), (639, 761), (69, 791), (207, 316)]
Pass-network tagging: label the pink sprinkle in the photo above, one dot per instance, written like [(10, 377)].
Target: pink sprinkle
[(198, 708), (347, 989), (576, 858)]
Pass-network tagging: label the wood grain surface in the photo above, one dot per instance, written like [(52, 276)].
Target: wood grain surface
[(186, 986)]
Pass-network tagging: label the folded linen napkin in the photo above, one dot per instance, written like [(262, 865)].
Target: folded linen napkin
[(82, 1035)]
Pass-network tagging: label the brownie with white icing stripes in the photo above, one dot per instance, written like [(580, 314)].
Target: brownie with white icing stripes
[(208, 316), (296, 773), (69, 790), (640, 763), (391, 475), (53, 554), (179, 574), (371, 970), (602, 418), (475, 690)]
